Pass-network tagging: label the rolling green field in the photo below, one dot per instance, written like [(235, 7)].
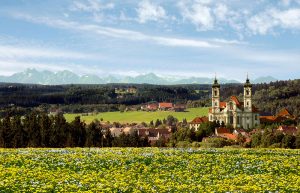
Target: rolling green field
[(141, 116), (149, 170)]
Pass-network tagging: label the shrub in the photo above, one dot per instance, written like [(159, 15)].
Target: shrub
[(183, 144)]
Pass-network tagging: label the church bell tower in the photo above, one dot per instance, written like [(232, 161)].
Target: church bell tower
[(215, 96), (248, 95)]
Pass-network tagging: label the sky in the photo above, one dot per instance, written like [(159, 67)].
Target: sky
[(176, 38)]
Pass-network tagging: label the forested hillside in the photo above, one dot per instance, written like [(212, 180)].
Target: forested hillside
[(76, 98)]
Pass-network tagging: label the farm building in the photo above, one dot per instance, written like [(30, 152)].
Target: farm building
[(196, 122), (165, 106)]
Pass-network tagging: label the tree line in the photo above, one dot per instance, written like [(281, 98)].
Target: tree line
[(41, 130)]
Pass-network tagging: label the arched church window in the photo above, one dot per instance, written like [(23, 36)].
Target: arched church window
[(231, 106), (216, 93), (231, 119), (247, 103), (247, 92)]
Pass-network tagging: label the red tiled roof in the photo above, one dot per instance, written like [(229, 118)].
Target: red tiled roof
[(222, 104), (281, 119), (273, 118), (222, 130), (284, 112), (165, 105), (152, 106), (229, 136), (267, 118), (236, 100), (199, 120)]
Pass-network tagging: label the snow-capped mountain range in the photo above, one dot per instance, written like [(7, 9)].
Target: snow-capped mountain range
[(33, 76)]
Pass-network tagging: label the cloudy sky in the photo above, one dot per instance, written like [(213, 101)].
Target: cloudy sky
[(167, 37)]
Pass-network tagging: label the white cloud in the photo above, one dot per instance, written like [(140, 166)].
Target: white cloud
[(150, 12), (265, 22), (228, 42), (261, 23), (288, 18), (94, 7), (118, 33), (13, 52), (90, 6), (197, 13), (183, 42), (221, 12)]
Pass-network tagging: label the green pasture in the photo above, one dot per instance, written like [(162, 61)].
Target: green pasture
[(140, 116)]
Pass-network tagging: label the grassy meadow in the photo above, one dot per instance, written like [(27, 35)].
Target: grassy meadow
[(149, 170), (140, 116)]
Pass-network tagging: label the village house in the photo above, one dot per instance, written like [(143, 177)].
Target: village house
[(152, 106), (126, 90), (290, 130), (131, 90), (227, 134), (179, 107), (165, 106), (116, 132), (282, 116), (238, 114), (155, 134), (196, 122)]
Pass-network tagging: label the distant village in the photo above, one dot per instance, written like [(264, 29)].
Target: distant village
[(155, 134), (236, 119)]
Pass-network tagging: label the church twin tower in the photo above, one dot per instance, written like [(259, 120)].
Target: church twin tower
[(233, 112)]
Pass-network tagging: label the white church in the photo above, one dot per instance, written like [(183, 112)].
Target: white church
[(238, 114)]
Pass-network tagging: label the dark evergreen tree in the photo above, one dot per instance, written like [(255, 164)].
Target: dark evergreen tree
[(78, 131)]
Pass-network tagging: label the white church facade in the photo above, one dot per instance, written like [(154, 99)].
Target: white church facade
[(238, 114)]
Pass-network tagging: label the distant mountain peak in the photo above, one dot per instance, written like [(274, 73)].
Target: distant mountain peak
[(46, 77), (264, 79)]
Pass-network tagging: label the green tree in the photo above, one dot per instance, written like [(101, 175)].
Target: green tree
[(256, 139), (158, 123), (18, 132), (288, 141), (78, 132)]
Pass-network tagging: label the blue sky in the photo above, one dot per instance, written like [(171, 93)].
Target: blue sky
[(179, 38)]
